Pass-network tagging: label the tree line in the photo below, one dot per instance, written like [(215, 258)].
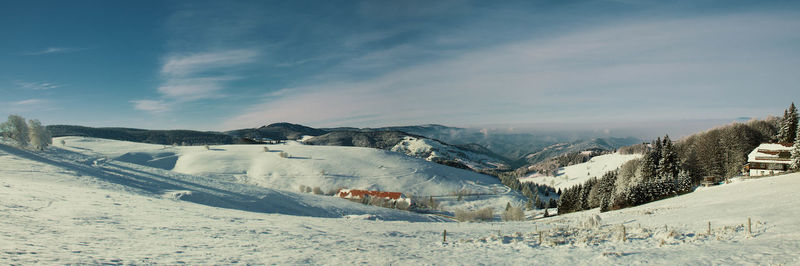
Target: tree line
[(655, 176)]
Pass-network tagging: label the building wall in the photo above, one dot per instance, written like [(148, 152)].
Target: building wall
[(763, 172)]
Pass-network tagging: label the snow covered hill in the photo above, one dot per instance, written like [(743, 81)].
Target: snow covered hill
[(473, 156), (579, 173), (64, 207), (326, 167), (77, 169), (436, 151)]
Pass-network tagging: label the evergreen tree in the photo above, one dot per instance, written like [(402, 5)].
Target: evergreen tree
[(788, 125), (538, 202), (529, 204), (668, 166), (796, 150), (783, 127), (526, 190), (793, 123), (657, 149), (647, 169)]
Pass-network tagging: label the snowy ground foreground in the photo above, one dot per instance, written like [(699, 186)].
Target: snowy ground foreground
[(579, 173), (327, 167), (52, 212)]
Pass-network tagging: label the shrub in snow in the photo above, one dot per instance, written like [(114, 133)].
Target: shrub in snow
[(513, 213), (332, 191), (302, 188), (485, 214), (592, 221), (402, 205), (284, 154), (207, 147), (316, 191), (266, 149)]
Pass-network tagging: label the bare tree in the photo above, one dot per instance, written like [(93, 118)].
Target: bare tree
[(38, 135)]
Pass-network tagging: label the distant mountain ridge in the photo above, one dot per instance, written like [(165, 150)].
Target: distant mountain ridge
[(165, 137), (470, 157), (277, 131), (459, 147)]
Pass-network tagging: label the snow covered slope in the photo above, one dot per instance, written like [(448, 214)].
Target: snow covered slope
[(579, 173), (56, 210), (78, 169), (327, 167), (433, 151)]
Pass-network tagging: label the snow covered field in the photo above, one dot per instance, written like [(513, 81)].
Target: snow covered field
[(326, 167), (66, 207), (579, 173)]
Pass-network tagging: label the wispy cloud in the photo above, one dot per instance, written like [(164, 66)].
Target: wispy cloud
[(201, 75), (37, 85), (28, 105), (54, 50), (191, 77), (29, 102), (663, 68), (151, 106)]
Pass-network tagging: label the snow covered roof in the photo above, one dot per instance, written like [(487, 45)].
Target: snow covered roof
[(355, 193), (770, 153)]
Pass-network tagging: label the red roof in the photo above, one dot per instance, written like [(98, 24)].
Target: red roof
[(355, 193)]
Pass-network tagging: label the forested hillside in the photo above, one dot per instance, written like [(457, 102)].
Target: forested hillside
[(165, 137), (672, 168)]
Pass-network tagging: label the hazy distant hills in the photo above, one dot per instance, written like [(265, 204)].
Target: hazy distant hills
[(460, 147), (277, 131), (595, 144), (517, 148)]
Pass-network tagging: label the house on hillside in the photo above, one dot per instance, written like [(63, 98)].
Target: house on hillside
[(769, 158), (356, 194)]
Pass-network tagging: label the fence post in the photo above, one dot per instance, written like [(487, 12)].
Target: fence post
[(749, 232), (709, 228), (444, 236), (624, 235), (540, 238)]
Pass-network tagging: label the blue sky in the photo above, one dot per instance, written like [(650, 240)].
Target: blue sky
[(222, 65)]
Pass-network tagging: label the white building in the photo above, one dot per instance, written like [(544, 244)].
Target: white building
[(769, 158)]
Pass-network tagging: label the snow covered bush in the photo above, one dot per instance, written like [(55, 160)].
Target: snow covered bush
[(593, 221), (16, 129), (38, 135), (485, 214), (514, 213)]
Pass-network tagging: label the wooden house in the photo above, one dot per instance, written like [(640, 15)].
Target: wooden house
[(769, 159)]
